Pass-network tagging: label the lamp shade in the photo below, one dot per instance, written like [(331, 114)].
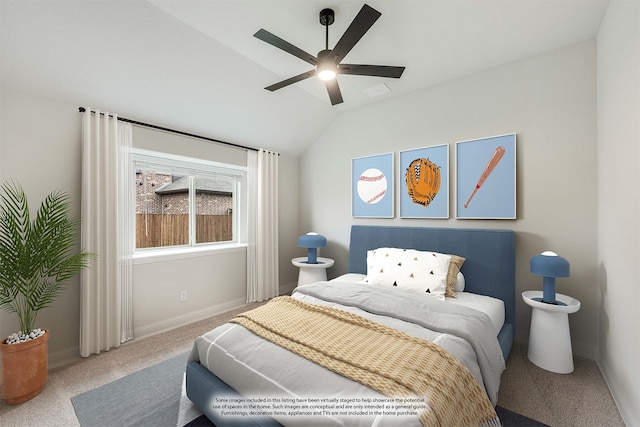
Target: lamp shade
[(549, 264), (312, 241)]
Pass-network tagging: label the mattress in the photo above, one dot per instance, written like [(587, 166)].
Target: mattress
[(492, 307)]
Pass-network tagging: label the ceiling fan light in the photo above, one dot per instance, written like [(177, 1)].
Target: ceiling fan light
[(326, 75), (326, 71)]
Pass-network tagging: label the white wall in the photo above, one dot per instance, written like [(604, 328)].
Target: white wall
[(40, 146), (619, 205), (549, 101), (214, 283), (40, 149)]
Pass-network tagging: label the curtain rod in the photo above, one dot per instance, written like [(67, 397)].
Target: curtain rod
[(179, 132)]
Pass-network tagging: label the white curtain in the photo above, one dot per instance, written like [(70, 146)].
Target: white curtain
[(105, 295), (262, 232), (126, 227)]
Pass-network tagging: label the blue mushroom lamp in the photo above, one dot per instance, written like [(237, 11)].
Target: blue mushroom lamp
[(312, 241), (549, 265)]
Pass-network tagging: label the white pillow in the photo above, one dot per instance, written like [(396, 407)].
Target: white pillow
[(459, 287), (419, 271), (433, 286)]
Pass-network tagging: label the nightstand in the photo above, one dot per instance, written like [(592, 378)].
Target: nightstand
[(549, 337)]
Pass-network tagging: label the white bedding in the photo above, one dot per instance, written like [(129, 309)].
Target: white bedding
[(255, 367), (492, 307)]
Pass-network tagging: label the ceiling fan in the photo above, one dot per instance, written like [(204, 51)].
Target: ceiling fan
[(328, 62)]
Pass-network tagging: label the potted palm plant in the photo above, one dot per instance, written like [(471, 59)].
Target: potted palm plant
[(37, 258)]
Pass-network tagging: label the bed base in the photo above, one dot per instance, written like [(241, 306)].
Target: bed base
[(202, 387), (489, 270)]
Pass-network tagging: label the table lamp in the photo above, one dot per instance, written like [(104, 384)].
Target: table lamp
[(549, 265), (312, 241)]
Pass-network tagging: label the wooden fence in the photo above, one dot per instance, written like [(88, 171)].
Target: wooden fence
[(157, 230)]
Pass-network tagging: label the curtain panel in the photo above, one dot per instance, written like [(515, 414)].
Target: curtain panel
[(263, 281), (106, 230)]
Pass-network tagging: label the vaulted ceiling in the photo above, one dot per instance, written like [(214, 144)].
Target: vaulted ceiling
[(195, 65)]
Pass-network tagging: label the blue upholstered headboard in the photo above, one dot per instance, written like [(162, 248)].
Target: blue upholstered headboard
[(490, 256)]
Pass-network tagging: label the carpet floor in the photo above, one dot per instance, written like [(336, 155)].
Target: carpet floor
[(578, 399), (155, 397)]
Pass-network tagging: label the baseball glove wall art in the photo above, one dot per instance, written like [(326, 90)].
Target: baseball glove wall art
[(425, 187), (423, 181)]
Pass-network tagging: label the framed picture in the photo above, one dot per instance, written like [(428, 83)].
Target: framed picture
[(372, 186), (424, 182), (486, 178)]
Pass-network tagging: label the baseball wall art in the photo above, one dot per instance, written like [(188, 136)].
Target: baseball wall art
[(372, 186), (424, 182), (486, 178)]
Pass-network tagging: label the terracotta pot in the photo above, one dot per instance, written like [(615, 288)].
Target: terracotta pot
[(24, 369)]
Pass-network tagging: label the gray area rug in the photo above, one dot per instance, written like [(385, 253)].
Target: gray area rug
[(152, 397), (155, 397)]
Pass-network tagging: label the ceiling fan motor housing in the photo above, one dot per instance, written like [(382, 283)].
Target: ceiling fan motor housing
[(322, 55), (327, 16)]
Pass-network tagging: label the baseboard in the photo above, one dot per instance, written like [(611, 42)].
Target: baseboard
[(186, 319), (288, 288), (627, 413), (584, 350), (63, 357)]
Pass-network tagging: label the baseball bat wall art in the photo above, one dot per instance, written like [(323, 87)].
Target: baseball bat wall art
[(493, 162)]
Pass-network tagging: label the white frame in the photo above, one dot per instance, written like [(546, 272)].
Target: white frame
[(443, 193), (499, 186), (385, 163)]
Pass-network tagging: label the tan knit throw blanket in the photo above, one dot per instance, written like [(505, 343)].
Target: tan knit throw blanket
[(382, 358)]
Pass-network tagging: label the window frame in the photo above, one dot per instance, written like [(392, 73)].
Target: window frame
[(159, 161)]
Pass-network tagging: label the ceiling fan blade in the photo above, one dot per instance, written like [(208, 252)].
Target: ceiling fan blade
[(291, 80), (371, 70), (360, 25), (334, 91), (276, 41)]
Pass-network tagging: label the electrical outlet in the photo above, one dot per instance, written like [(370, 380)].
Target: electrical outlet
[(183, 296)]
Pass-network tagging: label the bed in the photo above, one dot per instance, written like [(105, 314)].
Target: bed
[(231, 362)]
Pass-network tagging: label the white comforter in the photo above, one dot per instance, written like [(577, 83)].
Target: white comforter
[(257, 368)]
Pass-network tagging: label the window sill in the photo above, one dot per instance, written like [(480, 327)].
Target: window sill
[(160, 255)]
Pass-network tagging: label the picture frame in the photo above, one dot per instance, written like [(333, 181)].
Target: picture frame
[(372, 186), (486, 178), (424, 182)]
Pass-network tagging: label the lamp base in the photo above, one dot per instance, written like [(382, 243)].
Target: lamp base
[(549, 290), (312, 255)]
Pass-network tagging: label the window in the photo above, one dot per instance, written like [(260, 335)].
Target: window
[(183, 202)]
